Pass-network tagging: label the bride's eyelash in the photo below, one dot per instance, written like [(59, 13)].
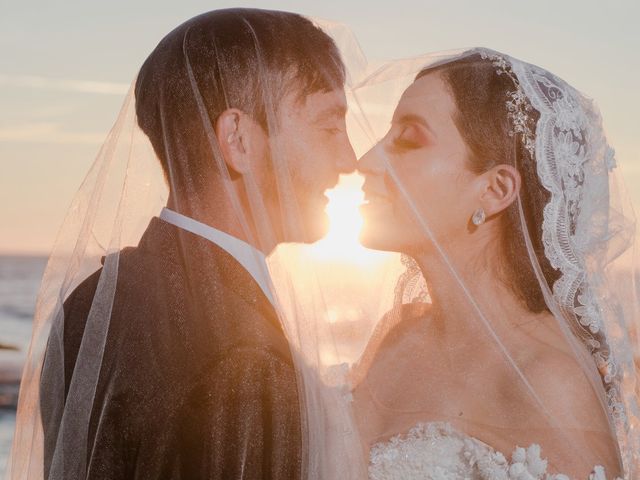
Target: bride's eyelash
[(405, 144), (400, 141)]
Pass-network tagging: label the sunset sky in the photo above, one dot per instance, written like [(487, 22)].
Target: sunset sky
[(67, 65)]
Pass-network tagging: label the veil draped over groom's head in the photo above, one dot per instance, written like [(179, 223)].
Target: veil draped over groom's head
[(236, 120), (259, 63)]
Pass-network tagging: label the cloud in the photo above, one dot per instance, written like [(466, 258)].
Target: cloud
[(66, 85), (48, 133)]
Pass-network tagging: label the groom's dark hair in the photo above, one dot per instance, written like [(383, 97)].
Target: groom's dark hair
[(236, 58)]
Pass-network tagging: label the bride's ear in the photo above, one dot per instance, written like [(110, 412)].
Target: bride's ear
[(501, 188)]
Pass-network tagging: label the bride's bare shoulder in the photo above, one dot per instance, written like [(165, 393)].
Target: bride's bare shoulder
[(389, 331), (395, 325)]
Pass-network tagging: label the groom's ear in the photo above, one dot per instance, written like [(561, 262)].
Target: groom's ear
[(236, 132), (501, 188)]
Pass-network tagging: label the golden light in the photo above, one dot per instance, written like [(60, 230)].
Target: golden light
[(337, 283), (341, 243)]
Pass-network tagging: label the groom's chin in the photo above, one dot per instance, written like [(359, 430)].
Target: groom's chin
[(308, 230)]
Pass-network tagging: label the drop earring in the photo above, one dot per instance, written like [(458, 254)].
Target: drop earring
[(478, 217)]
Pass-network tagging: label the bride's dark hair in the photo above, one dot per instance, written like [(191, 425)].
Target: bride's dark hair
[(480, 95)]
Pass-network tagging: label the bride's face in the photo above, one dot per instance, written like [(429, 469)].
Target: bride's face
[(416, 178)]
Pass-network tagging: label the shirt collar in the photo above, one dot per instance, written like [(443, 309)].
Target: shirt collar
[(251, 259)]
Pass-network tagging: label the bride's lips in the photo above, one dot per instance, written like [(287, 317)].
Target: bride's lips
[(376, 199), (376, 203), (375, 196)]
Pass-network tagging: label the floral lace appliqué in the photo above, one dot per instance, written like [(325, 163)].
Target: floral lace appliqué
[(435, 451)]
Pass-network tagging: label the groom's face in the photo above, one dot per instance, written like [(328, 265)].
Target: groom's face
[(309, 149)]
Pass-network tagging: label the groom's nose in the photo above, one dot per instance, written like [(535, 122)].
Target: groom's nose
[(347, 161)]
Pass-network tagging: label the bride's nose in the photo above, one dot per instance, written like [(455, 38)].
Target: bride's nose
[(372, 161)]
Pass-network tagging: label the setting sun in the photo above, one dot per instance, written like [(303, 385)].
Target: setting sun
[(341, 243)]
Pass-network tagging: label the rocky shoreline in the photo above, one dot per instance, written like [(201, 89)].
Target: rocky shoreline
[(11, 364), (9, 395)]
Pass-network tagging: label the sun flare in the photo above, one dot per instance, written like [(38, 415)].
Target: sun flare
[(341, 243)]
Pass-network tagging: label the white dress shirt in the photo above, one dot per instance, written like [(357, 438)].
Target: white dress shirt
[(252, 259)]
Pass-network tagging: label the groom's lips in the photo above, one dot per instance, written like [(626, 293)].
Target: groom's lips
[(333, 183), (376, 198)]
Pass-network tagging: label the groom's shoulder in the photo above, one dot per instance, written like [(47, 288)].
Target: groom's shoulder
[(129, 272), (88, 287), (160, 295), (78, 303)]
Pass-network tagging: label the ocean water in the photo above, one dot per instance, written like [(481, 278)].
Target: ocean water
[(19, 283)]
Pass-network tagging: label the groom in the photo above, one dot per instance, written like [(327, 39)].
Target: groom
[(197, 379)]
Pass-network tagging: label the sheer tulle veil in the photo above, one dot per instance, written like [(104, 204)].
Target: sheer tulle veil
[(571, 244), (354, 319)]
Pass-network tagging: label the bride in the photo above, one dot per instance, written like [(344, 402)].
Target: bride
[(510, 361)]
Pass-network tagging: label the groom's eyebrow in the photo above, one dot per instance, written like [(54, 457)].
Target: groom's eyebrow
[(336, 111)]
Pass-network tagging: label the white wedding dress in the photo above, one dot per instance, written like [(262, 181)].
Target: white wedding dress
[(435, 451)]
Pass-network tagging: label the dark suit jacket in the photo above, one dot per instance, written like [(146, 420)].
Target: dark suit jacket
[(197, 379)]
